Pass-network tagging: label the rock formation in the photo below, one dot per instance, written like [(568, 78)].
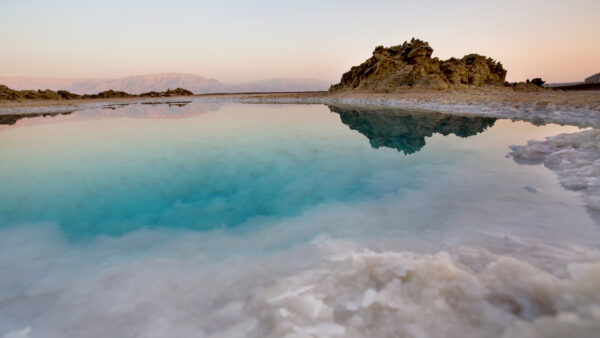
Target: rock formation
[(13, 118), (404, 130), (9, 94), (168, 93), (15, 95), (68, 95), (107, 94), (18, 95), (410, 65)]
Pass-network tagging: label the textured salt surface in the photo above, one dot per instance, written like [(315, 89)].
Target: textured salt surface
[(574, 157), (472, 294), (536, 111), (156, 284)]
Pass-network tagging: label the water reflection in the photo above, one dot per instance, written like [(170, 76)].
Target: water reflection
[(13, 118), (117, 171), (170, 104), (135, 110), (114, 106), (406, 130)]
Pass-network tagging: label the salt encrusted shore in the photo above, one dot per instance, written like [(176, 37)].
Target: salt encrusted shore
[(580, 109), (576, 108)]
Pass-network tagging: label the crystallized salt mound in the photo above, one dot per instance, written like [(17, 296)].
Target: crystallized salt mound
[(174, 291), (409, 295), (574, 157)]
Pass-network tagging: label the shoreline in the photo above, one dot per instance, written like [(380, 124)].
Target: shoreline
[(580, 108)]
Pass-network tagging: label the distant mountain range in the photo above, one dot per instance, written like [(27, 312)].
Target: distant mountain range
[(162, 82)]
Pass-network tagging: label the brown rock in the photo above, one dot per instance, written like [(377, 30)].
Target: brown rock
[(107, 94), (431, 81), (168, 93), (527, 87), (411, 64), (15, 95), (40, 94), (9, 94), (68, 95)]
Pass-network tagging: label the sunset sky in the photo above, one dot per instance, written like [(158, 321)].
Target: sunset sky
[(249, 40)]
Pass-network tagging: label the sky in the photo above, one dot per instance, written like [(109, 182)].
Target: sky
[(236, 41)]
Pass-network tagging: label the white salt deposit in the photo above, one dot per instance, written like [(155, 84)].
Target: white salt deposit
[(170, 285), (533, 109), (400, 294), (574, 157)]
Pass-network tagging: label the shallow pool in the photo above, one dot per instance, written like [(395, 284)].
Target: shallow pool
[(194, 218)]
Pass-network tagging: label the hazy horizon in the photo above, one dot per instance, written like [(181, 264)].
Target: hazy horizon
[(233, 41), (153, 74)]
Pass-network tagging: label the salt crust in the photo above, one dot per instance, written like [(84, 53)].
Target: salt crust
[(574, 157)]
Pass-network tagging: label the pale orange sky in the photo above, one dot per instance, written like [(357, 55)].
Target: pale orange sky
[(236, 41)]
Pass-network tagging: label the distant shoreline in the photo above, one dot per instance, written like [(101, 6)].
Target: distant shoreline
[(74, 103), (580, 108)]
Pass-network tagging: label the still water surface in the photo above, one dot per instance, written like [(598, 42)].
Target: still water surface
[(255, 185)]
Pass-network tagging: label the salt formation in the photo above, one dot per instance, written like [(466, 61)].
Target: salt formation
[(574, 157), (395, 294)]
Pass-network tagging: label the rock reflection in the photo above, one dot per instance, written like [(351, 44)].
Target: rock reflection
[(406, 130), (11, 119)]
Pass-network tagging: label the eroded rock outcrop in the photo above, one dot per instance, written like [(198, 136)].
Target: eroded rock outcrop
[(107, 94), (68, 95), (168, 93), (9, 94), (410, 65), (405, 130), (16, 95)]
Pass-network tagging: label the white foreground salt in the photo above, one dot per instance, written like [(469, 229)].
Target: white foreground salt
[(472, 293), (171, 284)]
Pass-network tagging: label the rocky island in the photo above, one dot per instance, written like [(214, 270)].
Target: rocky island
[(410, 65)]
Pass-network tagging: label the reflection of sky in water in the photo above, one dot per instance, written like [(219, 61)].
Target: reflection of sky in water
[(277, 190), (113, 171)]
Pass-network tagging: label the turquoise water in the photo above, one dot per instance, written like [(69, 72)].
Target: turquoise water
[(198, 166), (151, 214), (95, 173)]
